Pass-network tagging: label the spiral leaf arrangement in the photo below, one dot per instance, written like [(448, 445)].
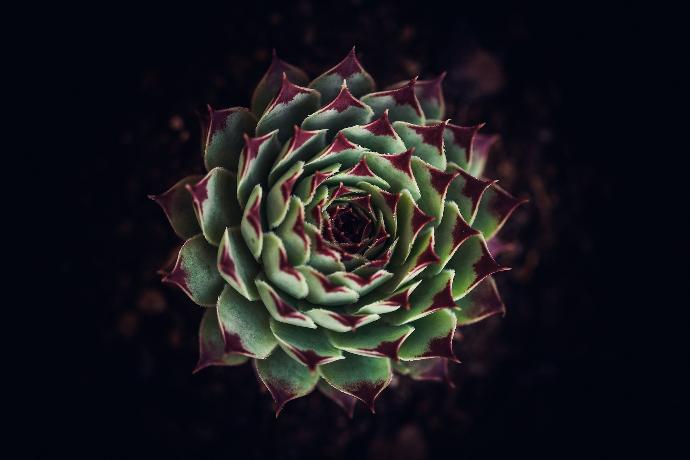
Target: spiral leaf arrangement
[(340, 234)]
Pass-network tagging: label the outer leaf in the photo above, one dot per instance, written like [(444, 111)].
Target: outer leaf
[(466, 191), (360, 376), (480, 153), (480, 303), (256, 159), (494, 209), (236, 264), (376, 339), (349, 69), (434, 369), (345, 401), (292, 105), (278, 268), (281, 307), (431, 295), (433, 185), (377, 136), (177, 205), (401, 102), (195, 272), (345, 110), (270, 84), (458, 141), (472, 263), (430, 96), (211, 344), (450, 234), (224, 132), (244, 325), (432, 337), (285, 378), (215, 204), (308, 346)]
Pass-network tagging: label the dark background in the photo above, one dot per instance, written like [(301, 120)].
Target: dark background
[(553, 378)]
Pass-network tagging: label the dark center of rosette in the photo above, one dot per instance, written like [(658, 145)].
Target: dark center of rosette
[(349, 226)]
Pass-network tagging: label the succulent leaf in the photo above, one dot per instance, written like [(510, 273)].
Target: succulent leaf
[(349, 69), (494, 209), (402, 103), (212, 346), (363, 377), (268, 87), (432, 337), (480, 303), (236, 264), (176, 202), (224, 136), (344, 400), (310, 347), (215, 204)]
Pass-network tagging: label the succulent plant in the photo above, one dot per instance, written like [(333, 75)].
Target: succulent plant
[(340, 234)]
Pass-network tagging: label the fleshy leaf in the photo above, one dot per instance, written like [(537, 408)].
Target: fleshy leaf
[(224, 132), (292, 105), (324, 290), (307, 187), (363, 377), (426, 140), (450, 234), (341, 151), (480, 153), (432, 337), (244, 325), (323, 257), (291, 232), (308, 346), (472, 263), (410, 221), (251, 226), (195, 272), (466, 191), (280, 307), (177, 205), (345, 401), (278, 198), (421, 256), (459, 141), (270, 84), (386, 202), (303, 146), (279, 270), (256, 159), (430, 96), (396, 169), (431, 295), (285, 378), (480, 303), (339, 322), (433, 185), (236, 264), (359, 283), (377, 136), (376, 339), (211, 344), (401, 102), (494, 209), (358, 173), (358, 80), (215, 203), (434, 369), (345, 110)]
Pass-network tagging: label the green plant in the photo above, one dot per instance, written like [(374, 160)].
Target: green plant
[(340, 234)]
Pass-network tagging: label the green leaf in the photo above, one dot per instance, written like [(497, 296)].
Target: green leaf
[(292, 234), (472, 263), (427, 141), (396, 169), (279, 197), (257, 158), (224, 132), (281, 307), (363, 377), (236, 264), (375, 339), (361, 284), (341, 152), (430, 96), (195, 272), (377, 136), (211, 344), (458, 141), (339, 322), (434, 369), (402, 103), (432, 337), (269, 85), (285, 378), (308, 346), (303, 146), (244, 325), (494, 209), (431, 295), (385, 202), (278, 269), (251, 226), (323, 257), (450, 234), (292, 105), (466, 191), (324, 290), (358, 173), (215, 204), (480, 153), (480, 303), (433, 184), (358, 80), (344, 111), (176, 202), (410, 221)]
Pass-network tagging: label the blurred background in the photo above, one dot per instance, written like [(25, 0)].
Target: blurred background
[(548, 379)]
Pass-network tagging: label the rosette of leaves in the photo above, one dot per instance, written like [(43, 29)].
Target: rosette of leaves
[(340, 234)]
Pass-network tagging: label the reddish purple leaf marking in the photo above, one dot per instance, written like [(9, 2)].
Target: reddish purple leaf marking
[(286, 187), (348, 66), (381, 127), (431, 89), (465, 137), (404, 96), (401, 161), (343, 101), (251, 150), (233, 344), (254, 216), (300, 137), (361, 169), (309, 357), (285, 266), (287, 93), (285, 310), (442, 347), (227, 265), (432, 135), (339, 144), (443, 298)]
